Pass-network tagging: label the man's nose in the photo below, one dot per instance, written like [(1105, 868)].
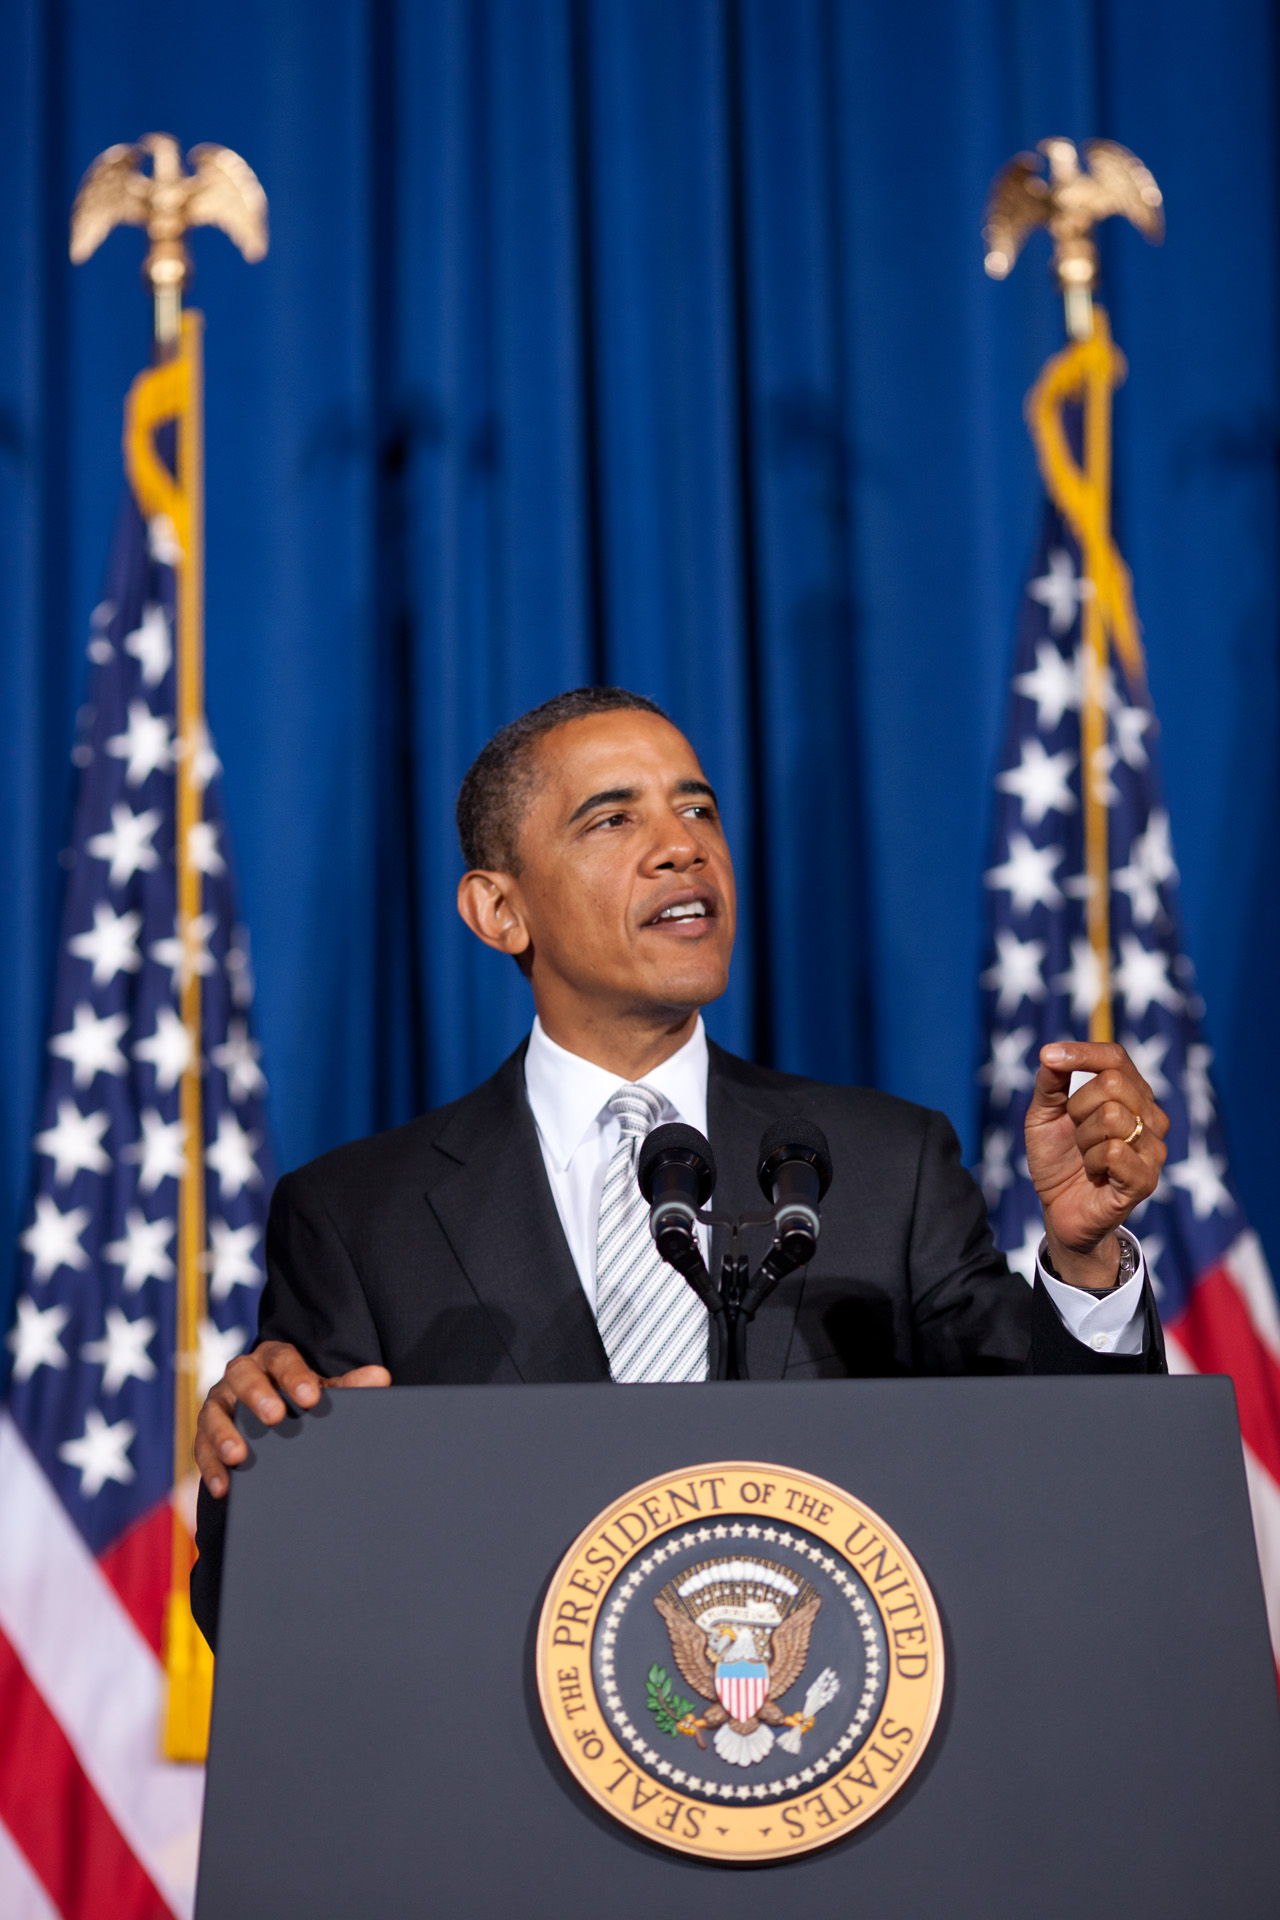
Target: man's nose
[(677, 850)]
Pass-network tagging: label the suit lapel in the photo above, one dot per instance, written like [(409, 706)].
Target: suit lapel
[(737, 1115), (488, 1188)]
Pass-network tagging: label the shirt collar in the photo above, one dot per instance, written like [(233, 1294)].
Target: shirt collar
[(568, 1094)]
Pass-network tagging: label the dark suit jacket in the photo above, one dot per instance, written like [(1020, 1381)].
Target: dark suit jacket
[(437, 1251)]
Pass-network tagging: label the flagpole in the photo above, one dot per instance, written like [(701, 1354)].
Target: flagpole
[(1085, 373), (223, 191)]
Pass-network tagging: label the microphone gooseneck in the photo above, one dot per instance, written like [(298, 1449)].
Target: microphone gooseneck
[(676, 1173), (794, 1172)]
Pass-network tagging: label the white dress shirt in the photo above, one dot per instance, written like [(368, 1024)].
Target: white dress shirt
[(577, 1133)]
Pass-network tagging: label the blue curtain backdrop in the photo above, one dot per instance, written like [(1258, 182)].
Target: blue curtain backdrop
[(643, 341)]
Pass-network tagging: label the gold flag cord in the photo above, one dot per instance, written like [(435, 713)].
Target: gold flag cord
[(1088, 371), (173, 392)]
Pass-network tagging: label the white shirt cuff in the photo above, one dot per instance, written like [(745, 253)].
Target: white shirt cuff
[(1112, 1323)]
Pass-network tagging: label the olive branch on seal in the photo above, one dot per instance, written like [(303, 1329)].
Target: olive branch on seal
[(667, 1708)]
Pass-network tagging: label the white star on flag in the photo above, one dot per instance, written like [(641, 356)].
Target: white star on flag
[(1152, 1248), (122, 1350), (229, 1261), (146, 744), (53, 1238), (1104, 787), (1082, 980), (34, 1340), (202, 848), (1197, 1085), (102, 1453), (168, 1049), (1151, 866), (111, 943), (1054, 685), (993, 1170), (91, 1044), (144, 1251), (1016, 973), (1006, 1073), (1061, 590), (150, 644), (231, 1157), (205, 764), (1148, 1057), (160, 1151), (217, 1351), (238, 1058), (1023, 1259), (1027, 875), (163, 543), (1130, 723), (75, 1143), (192, 955), (1200, 1176), (240, 968), (128, 845), (1143, 976), (1040, 782)]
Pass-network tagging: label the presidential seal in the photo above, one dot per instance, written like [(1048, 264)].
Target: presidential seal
[(740, 1661)]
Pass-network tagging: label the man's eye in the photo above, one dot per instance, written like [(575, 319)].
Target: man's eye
[(610, 820)]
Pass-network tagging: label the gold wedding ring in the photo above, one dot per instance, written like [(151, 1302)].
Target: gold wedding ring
[(1137, 1129)]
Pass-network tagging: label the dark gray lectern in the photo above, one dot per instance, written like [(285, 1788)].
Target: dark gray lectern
[(1109, 1742)]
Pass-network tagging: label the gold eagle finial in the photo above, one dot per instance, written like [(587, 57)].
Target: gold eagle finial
[(1070, 203), (222, 190)]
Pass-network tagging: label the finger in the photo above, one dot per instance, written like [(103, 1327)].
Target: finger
[(361, 1377), (1113, 1084), (1063, 1058), (288, 1371), (1127, 1169), (217, 1443), (1112, 1120)]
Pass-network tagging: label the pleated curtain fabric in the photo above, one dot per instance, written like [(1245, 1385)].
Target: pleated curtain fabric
[(653, 1325)]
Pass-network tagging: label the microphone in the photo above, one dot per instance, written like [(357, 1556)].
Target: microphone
[(676, 1173), (794, 1173)]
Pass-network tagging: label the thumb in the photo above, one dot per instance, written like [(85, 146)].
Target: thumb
[(1058, 1063), (361, 1377)]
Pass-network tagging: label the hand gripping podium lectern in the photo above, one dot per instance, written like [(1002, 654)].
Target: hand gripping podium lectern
[(514, 1651)]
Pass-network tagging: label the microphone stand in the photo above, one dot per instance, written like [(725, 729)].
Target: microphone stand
[(738, 1298)]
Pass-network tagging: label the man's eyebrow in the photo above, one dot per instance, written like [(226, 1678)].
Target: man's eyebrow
[(610, 796), (615, 796), (697, 786)]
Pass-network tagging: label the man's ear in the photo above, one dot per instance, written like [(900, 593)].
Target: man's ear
[(490, 904)]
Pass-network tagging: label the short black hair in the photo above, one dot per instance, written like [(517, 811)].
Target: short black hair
[(499, 782)]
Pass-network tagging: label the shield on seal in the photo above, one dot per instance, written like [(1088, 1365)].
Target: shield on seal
[(741, 1686)]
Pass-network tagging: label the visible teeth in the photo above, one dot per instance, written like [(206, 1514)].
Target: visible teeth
[(691, 910)]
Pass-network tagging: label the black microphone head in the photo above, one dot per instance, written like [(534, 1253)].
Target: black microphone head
[(795, 1138), (683, 1146)]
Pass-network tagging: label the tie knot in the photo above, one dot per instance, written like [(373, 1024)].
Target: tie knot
[(638, 1109)]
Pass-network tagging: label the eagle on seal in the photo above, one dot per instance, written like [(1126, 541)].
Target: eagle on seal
[(739, 1633)]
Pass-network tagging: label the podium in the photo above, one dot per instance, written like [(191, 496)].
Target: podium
[(1108, 1741)]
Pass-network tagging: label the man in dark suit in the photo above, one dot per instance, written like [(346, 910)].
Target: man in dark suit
[(501, 1238)]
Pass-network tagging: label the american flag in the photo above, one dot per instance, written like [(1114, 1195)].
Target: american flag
[(92, 1821), (1216, 1298)]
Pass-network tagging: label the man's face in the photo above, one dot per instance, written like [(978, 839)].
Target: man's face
[(626, 886)]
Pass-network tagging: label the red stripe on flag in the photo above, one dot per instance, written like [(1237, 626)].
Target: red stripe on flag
[(55, 1816), (138, 1568), (1217, 1335)]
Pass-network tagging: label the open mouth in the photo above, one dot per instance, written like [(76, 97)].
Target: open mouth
[(687, 912)]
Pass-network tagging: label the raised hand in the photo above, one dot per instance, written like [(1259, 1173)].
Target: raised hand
[(258, 1379), (1094, 1156)]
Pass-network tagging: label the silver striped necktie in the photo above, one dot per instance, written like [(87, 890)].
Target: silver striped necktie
[(652, 1323)]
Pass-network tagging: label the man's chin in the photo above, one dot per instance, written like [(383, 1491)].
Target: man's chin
[(685, 989)]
